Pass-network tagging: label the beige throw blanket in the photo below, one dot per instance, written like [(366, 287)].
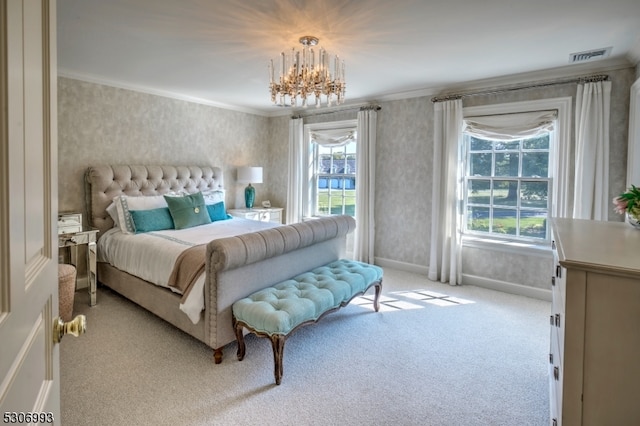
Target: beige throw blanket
[(188, 267)]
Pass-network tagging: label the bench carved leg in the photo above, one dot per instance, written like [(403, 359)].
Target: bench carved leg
[(217, 355), (240, 338), (376, 298), (277, 343)]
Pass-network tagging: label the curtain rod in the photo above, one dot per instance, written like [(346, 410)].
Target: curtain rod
[(578, 80), (374, 107)]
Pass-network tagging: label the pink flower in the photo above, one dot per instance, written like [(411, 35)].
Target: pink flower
[(620, 205)]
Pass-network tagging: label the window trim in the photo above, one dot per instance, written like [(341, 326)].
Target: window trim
[(518, 208), (308, 188), (316, 177), (560, 177)]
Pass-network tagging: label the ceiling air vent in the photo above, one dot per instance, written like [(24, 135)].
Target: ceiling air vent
[(590, 55)]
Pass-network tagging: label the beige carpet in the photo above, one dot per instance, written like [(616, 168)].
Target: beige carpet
[(434, 355)]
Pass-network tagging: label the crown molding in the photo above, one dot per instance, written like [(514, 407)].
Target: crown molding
[(514, 79), (634, 53), (602, 66), (151, 91)]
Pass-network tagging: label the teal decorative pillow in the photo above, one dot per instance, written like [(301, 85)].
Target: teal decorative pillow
[(188, 211), (217, 211), (152, 220)]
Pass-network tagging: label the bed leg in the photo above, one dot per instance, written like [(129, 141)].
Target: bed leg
[(376, 299), (217, 355), (240, 339), (277, 343)]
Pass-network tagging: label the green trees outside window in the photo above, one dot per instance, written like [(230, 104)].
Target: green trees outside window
[(507, 187)]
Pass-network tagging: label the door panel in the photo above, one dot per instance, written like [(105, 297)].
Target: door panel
[(29, 361)]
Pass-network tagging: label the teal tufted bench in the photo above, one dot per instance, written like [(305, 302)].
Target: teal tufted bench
[(275, 312)]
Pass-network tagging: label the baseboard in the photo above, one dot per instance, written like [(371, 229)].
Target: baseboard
[(402, 266), (507, 287), (503, 286)]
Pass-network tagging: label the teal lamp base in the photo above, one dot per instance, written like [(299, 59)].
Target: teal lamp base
[(249, 196)]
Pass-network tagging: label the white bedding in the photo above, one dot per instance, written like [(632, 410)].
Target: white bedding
[(152, 255)]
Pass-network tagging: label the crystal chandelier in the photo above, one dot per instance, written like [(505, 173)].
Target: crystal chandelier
[(308, 75)]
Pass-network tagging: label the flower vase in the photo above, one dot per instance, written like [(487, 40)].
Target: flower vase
[(633, 220)]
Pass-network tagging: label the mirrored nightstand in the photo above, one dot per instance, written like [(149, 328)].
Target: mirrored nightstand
[(272, 214), (71, 241)]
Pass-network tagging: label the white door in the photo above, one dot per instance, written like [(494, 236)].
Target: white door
[(29, 360)]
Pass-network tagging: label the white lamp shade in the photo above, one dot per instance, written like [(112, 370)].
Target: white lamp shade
[(249, 174)]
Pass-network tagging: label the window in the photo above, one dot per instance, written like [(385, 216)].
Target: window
[(335, 179), (507, 187), (490, 125), (330, 172)]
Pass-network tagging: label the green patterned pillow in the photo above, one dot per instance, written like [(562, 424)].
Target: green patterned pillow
[(188, 211)]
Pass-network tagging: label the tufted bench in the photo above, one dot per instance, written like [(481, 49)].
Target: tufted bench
[(275, 312)]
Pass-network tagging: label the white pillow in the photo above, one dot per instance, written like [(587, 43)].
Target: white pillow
[(213, 196), (124, 203), (113, 212)]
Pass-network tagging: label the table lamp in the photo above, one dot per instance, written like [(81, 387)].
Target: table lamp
[(249, 175)]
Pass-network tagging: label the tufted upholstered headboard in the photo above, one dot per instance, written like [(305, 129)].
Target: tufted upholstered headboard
[(105, 182)]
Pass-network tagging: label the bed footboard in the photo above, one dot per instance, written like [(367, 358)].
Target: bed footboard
[(239, 266)]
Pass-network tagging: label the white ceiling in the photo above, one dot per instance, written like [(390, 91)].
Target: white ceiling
[(217, 51)]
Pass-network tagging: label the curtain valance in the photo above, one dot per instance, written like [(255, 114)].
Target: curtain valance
[(510, 127), (333, 137)]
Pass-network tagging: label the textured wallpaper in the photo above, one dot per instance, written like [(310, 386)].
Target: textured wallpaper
[(105, 125), (404, 163)]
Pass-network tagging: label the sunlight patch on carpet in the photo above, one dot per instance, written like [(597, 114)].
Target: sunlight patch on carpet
[(414, 299)]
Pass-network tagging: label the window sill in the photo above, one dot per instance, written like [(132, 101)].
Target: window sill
[(517, 247)]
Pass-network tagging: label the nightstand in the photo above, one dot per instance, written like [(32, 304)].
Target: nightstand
[(88, 237), (272, 214)]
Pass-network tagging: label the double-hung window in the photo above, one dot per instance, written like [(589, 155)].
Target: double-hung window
[(507, 187), (507, 180), (330, 174), (335, 179)]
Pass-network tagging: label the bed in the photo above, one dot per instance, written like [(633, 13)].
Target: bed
[(240, 256)]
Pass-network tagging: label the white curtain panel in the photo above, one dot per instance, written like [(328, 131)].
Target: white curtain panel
[(364, 237), (445, 261), (296, 160), (591, 198)]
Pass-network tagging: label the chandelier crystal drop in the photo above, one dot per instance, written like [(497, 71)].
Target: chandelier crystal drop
[(307, 74)]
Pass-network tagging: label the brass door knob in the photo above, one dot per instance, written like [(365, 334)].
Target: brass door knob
[(75, 327)]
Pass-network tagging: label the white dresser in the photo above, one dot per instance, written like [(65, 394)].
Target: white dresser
[(595, 324)]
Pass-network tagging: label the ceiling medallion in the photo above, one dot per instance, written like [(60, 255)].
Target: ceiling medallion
[(307, 74)]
